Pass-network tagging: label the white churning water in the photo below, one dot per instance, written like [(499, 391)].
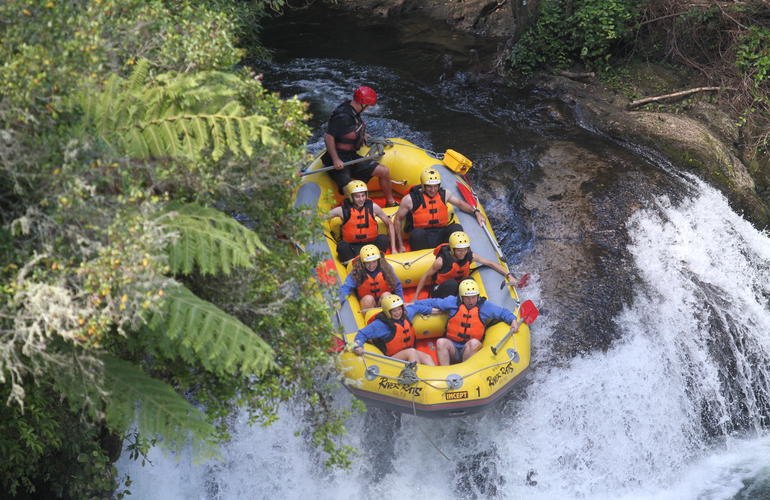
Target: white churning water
[(647, 419)]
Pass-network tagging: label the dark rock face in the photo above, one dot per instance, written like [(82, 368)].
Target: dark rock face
[(491, 18)]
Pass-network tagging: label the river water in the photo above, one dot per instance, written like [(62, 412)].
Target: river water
[(673, 407)]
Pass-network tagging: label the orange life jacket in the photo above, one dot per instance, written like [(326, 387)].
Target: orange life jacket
[(466, 323), (401, 335), (427, 211), (358, 224), (451, 268), (373, 285)]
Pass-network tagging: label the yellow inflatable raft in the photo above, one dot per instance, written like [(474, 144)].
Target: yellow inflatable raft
[(436, 391)]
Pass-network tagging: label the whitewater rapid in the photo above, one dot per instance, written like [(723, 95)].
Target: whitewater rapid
[(650, 418)]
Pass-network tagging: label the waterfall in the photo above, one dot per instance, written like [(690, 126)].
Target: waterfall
[(674, 409)]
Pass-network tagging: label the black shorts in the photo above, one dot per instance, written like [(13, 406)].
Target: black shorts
[(362, 171)]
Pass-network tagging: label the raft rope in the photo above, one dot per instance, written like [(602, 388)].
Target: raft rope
[(419, 426), (409, 264), (427, 381)]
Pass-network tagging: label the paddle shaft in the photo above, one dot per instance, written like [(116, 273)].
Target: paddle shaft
[(375, 355), (346, 164), (507, 336), (471, 198)]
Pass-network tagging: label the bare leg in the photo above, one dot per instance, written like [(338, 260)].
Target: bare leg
[(446, 351), (367, 302), (383, 173), (410, 355), (472, 347), (425, 359)]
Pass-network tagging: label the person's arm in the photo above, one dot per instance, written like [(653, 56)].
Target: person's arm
[(490, 311), (399, 288), (334, 212), (379, 212), (466, 207), (331, 148), (424, 278), (403, 209), (373, 330), (509, 277), (418, 307), (348, 287), (447, 304)]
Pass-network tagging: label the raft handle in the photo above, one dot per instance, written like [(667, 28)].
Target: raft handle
[(372, 372)]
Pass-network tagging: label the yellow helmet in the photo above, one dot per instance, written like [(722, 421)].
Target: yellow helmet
[(459, 239), (369, 253), (430, 176), (355, 186), (391, 302), (468, 288)]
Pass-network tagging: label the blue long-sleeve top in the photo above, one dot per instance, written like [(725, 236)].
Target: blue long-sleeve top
[(378, 328), (349, 286), (488, 311)]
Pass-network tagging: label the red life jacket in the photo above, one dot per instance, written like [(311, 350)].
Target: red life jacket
[(353, 139), (401, 335), (358, 224), (427, 211), (466, 323), (451, 268), (373, 285)]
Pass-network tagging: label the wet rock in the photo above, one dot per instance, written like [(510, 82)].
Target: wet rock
[(578, 208), (379, 444), (477, 476)]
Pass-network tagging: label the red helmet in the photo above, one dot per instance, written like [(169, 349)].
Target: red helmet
[(365, 95)]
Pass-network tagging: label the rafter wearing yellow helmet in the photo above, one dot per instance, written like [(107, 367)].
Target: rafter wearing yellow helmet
[(425, 212)]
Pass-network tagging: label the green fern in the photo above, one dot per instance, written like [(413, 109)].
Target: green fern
[(158, 409), (139, 75), (184, 116), (209, 240), (205, 333)]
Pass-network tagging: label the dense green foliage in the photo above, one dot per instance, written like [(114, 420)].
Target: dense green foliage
[(572, 31), (129, 293)]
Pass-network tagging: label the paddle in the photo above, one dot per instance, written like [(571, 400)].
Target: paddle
[(347, 163), (528, 314), (470, 198)]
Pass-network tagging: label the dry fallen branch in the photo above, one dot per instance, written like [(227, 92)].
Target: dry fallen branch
[(573, 75), (675, 95)]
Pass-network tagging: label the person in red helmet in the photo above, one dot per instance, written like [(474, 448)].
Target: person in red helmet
[(345, 134)]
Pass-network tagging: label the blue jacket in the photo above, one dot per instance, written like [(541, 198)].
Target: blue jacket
[(377, 328), (487, 311), (350, 287)]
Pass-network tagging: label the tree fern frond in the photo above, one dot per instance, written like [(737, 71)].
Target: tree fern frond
[(155, 144), (209, 240), (139, 75), (192, 116), (159, 410), (217, 138), (231, 135), (219, 341)]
